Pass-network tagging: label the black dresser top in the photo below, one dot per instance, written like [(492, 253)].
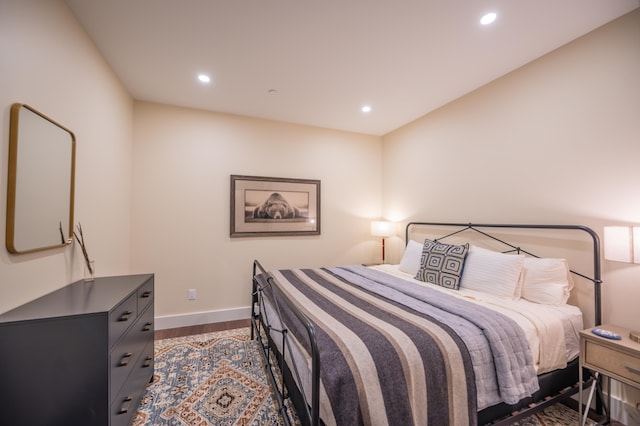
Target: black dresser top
[(78, 298)]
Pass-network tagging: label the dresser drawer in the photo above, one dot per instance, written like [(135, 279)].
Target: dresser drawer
[(125, 404), (146, 361), (122, 317), (123, 359), (145, 295), (144, 326), (126, 355), (619, 365)]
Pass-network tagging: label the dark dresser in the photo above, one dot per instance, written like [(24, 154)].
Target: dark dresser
[(81, 355)]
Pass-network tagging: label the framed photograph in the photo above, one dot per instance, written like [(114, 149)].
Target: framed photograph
[(266, 206)]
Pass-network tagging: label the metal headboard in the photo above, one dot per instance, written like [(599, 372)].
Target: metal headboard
[(595, 279)]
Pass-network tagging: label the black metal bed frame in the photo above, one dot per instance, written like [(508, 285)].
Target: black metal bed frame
[(555, 386)]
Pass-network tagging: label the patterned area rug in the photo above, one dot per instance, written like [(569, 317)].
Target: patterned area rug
[(209, 379), (219, 379), (555, 415)]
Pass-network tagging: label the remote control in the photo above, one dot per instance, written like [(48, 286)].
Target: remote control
[(606, 334)]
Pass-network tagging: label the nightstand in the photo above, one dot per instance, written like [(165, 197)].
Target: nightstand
[(617, 359)]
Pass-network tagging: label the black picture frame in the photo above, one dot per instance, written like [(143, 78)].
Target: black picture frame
[(274, 206)]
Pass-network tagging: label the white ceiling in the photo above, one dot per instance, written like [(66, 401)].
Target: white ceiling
[(327, 58)]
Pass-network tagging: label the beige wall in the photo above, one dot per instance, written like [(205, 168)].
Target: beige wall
[(180, 225), (49, 63), (557, 141)]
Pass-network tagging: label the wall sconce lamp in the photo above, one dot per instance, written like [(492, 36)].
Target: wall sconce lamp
[(383, 229), (622, 243)]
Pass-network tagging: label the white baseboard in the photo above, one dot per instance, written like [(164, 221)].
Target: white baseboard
[(623, 403), (624, 412), (198, 318)]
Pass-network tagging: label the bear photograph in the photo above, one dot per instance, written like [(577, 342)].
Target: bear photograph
[(269, 206)]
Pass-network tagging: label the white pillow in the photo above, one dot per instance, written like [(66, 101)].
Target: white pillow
[(410, 262), (546, 281), (492, 272)]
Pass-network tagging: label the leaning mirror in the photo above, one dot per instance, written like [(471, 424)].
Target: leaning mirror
[(40, 182)]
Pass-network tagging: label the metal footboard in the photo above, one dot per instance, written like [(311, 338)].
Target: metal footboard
[(284, 381)]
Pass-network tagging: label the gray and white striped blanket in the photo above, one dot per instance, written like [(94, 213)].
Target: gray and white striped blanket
[(394, 353)]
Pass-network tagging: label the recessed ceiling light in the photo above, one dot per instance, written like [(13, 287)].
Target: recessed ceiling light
[(204, 78), (272, 91), (488, 18), (366, 108)]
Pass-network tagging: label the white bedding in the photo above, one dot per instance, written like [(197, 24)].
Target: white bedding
[(552, 331)]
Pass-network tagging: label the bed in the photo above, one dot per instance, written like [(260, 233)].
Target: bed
[(471, 327)]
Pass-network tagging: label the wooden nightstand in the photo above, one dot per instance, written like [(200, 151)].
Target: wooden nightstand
[(617, 359)]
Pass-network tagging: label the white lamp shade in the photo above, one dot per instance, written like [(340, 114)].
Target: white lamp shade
[(618, 243), (383, 229)]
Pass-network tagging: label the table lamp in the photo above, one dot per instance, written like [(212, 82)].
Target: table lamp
[(383, 229), (622, 243)]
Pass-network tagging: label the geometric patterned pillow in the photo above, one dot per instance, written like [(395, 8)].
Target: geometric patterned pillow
[(442, 264)]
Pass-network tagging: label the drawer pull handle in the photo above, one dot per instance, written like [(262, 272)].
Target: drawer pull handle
[(146, 294), (147, 362), (147, 326), (125, 316), (633, 370), (126, 404), (124, 361)]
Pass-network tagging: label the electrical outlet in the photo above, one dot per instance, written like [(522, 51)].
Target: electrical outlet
[(192, 294)]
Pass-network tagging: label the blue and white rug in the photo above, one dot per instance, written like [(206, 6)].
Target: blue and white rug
[(220, 379), (208, 379)]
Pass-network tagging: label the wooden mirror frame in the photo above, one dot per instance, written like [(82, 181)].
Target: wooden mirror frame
[(41, 182)]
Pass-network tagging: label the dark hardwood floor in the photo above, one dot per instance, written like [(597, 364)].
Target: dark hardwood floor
[(199, 329)]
